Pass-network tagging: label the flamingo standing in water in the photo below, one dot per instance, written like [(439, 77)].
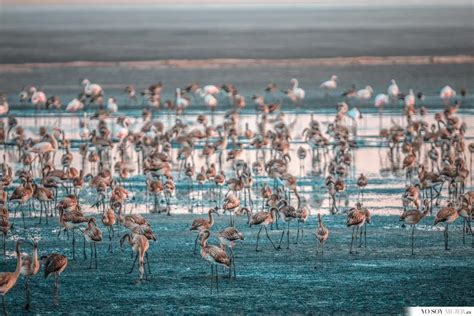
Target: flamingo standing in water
[(446, 94), (208, 93), (140, 245), (38, 98), (356, 217), (76, 104), (201, 224), (4, 107), (322, 234), (30, 267), (54, 264), (365, 94), (448, 214), (228, 237), (295, 93), (393, 91), (5, 226), (263, 219), (181, 102), (93, 235), (92, 90), (112, 106), (329, 85), (413, 217), (410, 100), (214, 256), (8, 279)]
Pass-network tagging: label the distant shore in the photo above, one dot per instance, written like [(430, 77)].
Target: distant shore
[(225, 63)]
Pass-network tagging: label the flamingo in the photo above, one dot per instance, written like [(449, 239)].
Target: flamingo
[(181, 102), (228, 237), (354, 114), (447, 214), (8, 279), (131, 93), (210, 89), (322, 234), (413, 217), (263, 219), (410, 100), (38, 97), (93, 235), (5, 226), (365, 94), (393, 90), (4, 107), (54, 264), (108, 219), (54, 102), (381, 100), (208, 94), (140, 245), (330, 84), (92, 89), (201, 224), (75, 104), (30, 267), (214, 256), (112, 106), (446, 94), (23, 95), (295, 93)]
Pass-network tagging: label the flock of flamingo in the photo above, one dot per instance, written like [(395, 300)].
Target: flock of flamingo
[(47, 183)]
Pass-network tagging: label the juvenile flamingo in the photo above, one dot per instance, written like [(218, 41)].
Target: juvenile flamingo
[(362, 182), (140, 245), (263, 219), (448, 214), (4, 227), (108, 219), (413, 217), (214, 256), (93, 235), (54, 264), (30, 267), (356, 218), (322, 234), (201, 224), (228, 237), (8, 279)]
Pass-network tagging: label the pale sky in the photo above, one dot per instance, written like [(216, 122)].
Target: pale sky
[(230, 2)]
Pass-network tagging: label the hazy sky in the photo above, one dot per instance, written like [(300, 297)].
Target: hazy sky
[(227, 2)]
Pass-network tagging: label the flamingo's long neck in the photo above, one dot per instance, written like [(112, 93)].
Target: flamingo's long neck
[(204, 241), (299, 200), (35, 255), (211, 219), (18, 261), (295, 84), (54, 142)]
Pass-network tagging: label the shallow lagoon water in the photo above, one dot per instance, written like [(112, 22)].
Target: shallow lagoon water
[(382, 278)]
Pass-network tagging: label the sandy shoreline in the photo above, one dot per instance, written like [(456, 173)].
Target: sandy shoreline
[(226, 63)]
